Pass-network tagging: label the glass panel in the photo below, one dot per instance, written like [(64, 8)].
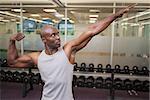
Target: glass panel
[(131, 43)]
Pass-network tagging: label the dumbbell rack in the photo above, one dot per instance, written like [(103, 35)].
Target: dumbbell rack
[(29, 86)]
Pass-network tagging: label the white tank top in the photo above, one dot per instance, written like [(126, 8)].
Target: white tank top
[(56, 72)]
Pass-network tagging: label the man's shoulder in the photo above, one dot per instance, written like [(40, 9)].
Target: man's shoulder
[(34, 54)]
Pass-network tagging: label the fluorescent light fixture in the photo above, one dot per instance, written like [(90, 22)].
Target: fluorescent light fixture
[(94, 11), (13, 20), (92, 21), (50, 10), (5, 20), (34, 15), (18, 10), (72, 12), (71, 21), (59, 15), (95, 16), (65, 18), (134, 24)]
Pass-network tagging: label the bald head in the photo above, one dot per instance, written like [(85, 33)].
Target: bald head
[(47, 29)]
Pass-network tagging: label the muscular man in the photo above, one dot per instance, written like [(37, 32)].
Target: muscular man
[(55, 63)]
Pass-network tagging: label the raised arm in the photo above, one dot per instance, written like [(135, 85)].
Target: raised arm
[(95, 29), (14, 60)]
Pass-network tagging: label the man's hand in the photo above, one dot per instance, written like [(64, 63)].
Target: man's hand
[(123, 11), (17, 37)]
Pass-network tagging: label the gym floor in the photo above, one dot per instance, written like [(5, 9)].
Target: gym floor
[(13, 91)]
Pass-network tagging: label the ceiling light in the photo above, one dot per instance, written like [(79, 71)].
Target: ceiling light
[(95, 16), (72, 12), (92, 21), (65, 18), (59, 15), (50, 10), (71, 21), (18, 10), (35, 15), (6, 20), (94, 11)]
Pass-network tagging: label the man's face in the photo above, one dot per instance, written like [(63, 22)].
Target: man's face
[(51, 38)]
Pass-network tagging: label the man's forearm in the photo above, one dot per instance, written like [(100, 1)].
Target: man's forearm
[(12, 53), (102, 25)]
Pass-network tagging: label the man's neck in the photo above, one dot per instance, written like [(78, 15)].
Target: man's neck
[(50, 51)]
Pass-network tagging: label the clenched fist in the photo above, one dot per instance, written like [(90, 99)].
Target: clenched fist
[(17, 37)]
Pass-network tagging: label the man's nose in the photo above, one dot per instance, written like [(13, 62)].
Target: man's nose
[(57, 37)]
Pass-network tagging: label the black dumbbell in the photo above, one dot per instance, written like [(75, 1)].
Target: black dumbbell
[(4, 63), (108, 83), (90, 82), (35, 78), (22, 75), (91, 67), (99, 82), (128, 84), (74, 82), (125, 70), (117, 69), (75, 66), (81, 81), (1, 61), (135, 70), (108, 68), (145, 86), (16, 76), (26, 79), (118, 83), (137, 85), (82, 67), (144, 71), (9, 76), (99, 68), (2, 75)]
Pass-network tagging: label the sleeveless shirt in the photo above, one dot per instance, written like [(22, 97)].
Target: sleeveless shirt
[(57, 72)]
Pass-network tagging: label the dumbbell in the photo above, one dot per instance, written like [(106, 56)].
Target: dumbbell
[(108, 68), (22, 75), (137, 85), (75, 66), (117, 69), (2, 75), (90, 82), (35, 78), (91, 67), (144, 71), (126, 70), (4, 63), (118, 83), (16, 76), (82, 67), (81, 81), (135, 70), (108, 83), (99, 68), (145, 86), (99, 82), (1, 61), (74, 82), (127, 84), (9, 76)]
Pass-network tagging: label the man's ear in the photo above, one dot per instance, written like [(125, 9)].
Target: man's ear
[(43, 39)]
